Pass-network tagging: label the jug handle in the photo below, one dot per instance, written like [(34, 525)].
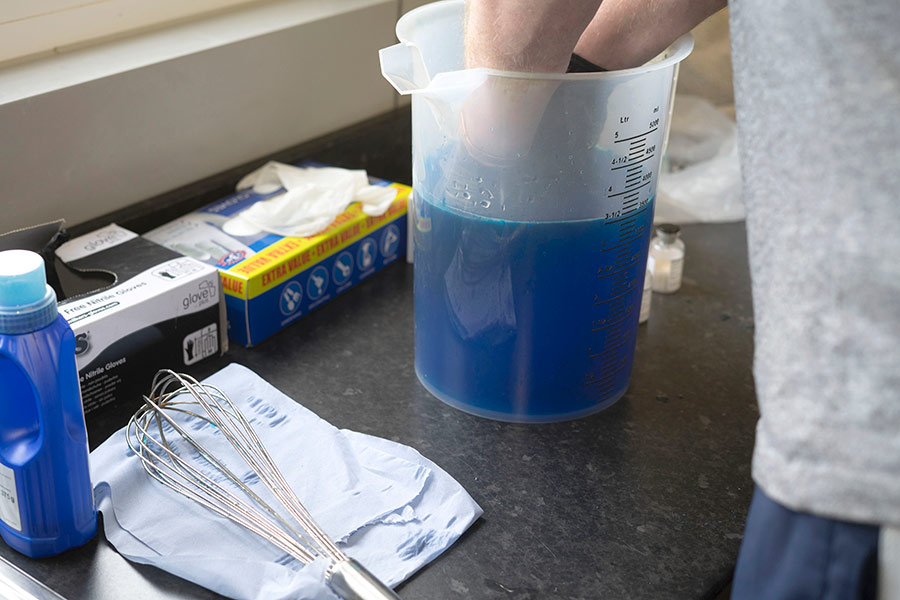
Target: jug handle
[(403, 66)]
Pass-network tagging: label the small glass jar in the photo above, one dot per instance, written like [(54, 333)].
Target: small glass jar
[(645, 297), (666, 259)]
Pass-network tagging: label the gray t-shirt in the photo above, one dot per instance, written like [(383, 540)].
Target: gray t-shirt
[(817, 92)]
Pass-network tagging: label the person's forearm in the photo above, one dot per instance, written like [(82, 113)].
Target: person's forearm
[(628, 33), (540, 35), (500, 118), (525, 35)]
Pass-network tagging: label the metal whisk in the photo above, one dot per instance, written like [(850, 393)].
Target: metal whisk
[(295, 533)]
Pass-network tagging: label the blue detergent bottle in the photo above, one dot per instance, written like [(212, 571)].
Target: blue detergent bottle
[(46, 500)]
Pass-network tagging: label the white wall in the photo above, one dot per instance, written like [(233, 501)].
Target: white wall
[(97, 129)]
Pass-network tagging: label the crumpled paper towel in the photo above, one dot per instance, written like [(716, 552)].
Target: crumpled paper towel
[(386, 505), (313, 197)]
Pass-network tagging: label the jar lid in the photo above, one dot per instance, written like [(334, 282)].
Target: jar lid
[(668, 232)]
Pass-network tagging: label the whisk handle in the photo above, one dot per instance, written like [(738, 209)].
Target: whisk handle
[(351, 581)]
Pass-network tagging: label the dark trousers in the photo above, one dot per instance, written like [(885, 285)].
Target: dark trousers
[(794, 555)]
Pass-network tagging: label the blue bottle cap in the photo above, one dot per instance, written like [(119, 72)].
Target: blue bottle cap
[(27, 303)]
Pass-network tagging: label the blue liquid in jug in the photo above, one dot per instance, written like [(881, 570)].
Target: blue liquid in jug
[(527, 322)]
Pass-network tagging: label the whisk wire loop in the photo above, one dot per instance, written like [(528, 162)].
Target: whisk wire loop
[(174, 472), (165, 461), (235, 427)]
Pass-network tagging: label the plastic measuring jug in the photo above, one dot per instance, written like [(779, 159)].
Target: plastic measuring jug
[(532, 210)]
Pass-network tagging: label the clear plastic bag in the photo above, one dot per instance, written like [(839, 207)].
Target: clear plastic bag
[(701, 180)]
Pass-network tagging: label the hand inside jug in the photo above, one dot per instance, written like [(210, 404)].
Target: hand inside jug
[(499, 120)]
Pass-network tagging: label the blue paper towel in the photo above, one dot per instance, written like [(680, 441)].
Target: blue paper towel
[(387, 506)]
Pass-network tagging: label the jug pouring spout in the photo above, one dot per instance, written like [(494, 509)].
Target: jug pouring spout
[(403, 65), (404, 68)]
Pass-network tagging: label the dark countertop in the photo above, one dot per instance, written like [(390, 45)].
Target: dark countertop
[(644, 500)]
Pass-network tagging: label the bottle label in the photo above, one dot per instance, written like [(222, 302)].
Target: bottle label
[(9, 498), (675, 273)]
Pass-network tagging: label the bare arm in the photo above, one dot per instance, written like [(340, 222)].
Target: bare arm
[(525, 35), (540, 35), (628, 33)]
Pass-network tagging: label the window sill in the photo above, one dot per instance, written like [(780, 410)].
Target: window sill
[(49, 73)]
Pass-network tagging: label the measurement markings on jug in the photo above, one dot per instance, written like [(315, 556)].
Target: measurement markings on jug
[(653, 128), (636, 172), (613, 270), (604, 373), (608, 356), (608, 300), (617, 312), (628, 190), (630, 201), (626, 225), (628, 217), (645, 177), (611, 365), (621, 261), (622, 242), (629, 195), (603, 381), (613, 343), (622, 166), (620, 285), (635, 152)]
